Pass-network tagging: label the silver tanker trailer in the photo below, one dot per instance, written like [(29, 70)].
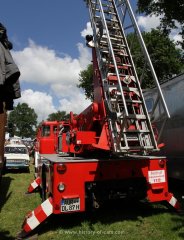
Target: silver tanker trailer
[(173, 132)]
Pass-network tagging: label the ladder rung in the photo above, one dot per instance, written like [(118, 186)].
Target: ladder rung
[(131, 89), (127, 100), (136, 131), (121, 66), (117, 36), (136, 116), (115, 27), (113, 44), (112, 20), (118, 54), (138, 148), (107, 20), (132, 116), (107, 5), (105, 11), (116, 51), (129, 139), (114, 77), (103, 4), (132, 101), (127, 89)]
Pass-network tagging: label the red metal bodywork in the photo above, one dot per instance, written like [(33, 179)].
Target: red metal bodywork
[(48, 139), (104, 170), (47, 136), (89, 130), (82, 178)]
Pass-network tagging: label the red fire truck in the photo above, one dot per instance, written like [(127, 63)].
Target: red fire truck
[(107, 151), (47, 140)]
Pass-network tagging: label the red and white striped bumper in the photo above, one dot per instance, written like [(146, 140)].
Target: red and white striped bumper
[(173, 202), (34, 185), (38, 215)]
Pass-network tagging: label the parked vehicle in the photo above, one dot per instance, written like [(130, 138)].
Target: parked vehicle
[(15, 140), (47, 141), (17, 156), (173, 131)]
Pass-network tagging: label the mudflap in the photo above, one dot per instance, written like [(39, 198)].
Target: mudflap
[(36, 217)]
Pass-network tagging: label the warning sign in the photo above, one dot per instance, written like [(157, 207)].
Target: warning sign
[(157, 176)]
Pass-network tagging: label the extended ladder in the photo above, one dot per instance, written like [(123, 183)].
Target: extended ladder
[(128, 119)]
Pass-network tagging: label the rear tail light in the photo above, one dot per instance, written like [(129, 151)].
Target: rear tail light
[(161, 163), (61, 168)]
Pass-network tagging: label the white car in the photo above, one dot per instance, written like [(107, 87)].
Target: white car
[(17, 156)]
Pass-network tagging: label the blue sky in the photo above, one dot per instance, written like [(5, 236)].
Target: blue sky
[(49, 49), (48, 29), (56, 24)]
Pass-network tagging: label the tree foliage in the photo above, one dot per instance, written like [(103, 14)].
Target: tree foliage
[(23, 121), (170, 13), (166, 58), (58, 116), (86, 81)]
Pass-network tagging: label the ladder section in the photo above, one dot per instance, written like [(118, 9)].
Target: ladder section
[(128, 119)]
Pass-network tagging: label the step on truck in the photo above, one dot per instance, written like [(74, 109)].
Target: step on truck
[(110, 150)]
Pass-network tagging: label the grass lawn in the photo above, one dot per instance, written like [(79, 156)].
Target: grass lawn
[(115, 220)]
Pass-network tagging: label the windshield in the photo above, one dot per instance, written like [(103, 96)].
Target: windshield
[(45, 131), (15, 150)]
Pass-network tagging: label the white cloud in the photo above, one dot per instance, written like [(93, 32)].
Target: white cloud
[(174, 34), (87, 30), (176, 37), (148, 22), (41, 102), (41, 66), (153, 21), (84, 55), (76, 104)]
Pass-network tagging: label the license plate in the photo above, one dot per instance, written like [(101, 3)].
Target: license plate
[(14, 161), (156, 176), (70, 204)]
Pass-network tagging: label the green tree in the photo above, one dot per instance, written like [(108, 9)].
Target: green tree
[(86, 81), (166, 58), (168, 11), (58, 116), (24, 120)]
